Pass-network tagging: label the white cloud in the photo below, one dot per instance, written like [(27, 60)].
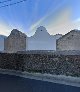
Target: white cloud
[(62, 22), (63, 29), (4, 29), (77, 20)]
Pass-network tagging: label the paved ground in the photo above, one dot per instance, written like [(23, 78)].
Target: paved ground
[(9, 83)]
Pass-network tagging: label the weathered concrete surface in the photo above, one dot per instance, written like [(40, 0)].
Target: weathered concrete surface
[(16, 41), (70, 41)]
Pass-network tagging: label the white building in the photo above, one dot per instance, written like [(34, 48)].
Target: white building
[(42, 40), (2, 42)]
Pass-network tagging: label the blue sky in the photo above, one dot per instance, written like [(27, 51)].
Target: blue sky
[(58, 16)]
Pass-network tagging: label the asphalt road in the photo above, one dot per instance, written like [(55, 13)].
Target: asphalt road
[(9, 83)]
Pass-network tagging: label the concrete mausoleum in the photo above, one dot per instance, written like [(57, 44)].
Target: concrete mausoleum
[(16, 41), (42, 40), (70, 41)]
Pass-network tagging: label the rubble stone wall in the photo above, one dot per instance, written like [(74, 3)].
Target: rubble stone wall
[(42, 63)]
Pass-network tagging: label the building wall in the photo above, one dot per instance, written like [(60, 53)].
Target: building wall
[(16, 41), (70, 41), (2, 42), (42, 40)]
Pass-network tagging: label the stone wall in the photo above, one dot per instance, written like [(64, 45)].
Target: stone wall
[(16, 41), (70, 41), (42, 63)]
